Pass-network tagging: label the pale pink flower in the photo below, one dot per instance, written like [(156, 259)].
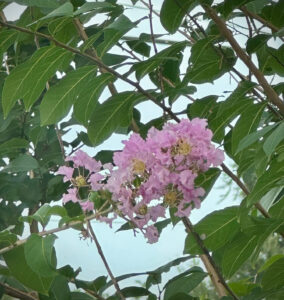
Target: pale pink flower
[(66, 171)]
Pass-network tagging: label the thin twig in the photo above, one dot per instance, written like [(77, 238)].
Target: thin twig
[(100, 251), (259, 19), (54, 230), (191, 39)]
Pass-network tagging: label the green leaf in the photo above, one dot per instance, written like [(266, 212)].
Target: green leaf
[(247, 123), (37, 3), (110, 59), (173, 12), (216, 229), (80, 296), (113, 33), (263, 228), (147, 66), (184, 284), (256, 6), (274, 13), (182, 296), (105, 156), (7, 38), (202, 108), (208, 62), (90, 6), (270, 60), (256, 42), (85, 105), (63, 30), (65, 9), (271, 178), (273, 277), (240, 288), (277, 210), (13, 145), (97, 285), (274, 139), (155, 275), (227, 6), (39, 254), (237, 252), (16, 262), (160, 225), (113, 113), (230, 111), (22, 163), (207, 179), (269, 262), (28, 80), (60, 97), (43, 214), (134, 291), (139, 47), (253, 137), (60, 289), (7, 239)]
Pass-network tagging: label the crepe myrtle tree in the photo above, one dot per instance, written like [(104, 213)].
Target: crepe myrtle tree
[(56, 65)]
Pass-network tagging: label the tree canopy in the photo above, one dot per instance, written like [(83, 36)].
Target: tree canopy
[(75, 63)]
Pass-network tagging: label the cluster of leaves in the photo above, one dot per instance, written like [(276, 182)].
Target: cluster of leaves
[(51, 65)]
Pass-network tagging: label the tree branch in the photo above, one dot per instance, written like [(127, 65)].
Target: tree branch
[(259, 18), (54, 230), (100, 251), (13, 292), (271, 94), (219, 282), (97, 62)]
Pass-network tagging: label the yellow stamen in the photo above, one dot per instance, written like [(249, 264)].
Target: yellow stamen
[(183, 148), (80, 181), (143, 209), (171, 198), (138, 166)]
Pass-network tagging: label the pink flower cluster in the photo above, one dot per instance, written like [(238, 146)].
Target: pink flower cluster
[(153, 174), (159, 172), (85, 173)]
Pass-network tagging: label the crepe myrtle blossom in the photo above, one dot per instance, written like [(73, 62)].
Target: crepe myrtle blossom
[(83, 174), (150, 175), (159, 172)]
